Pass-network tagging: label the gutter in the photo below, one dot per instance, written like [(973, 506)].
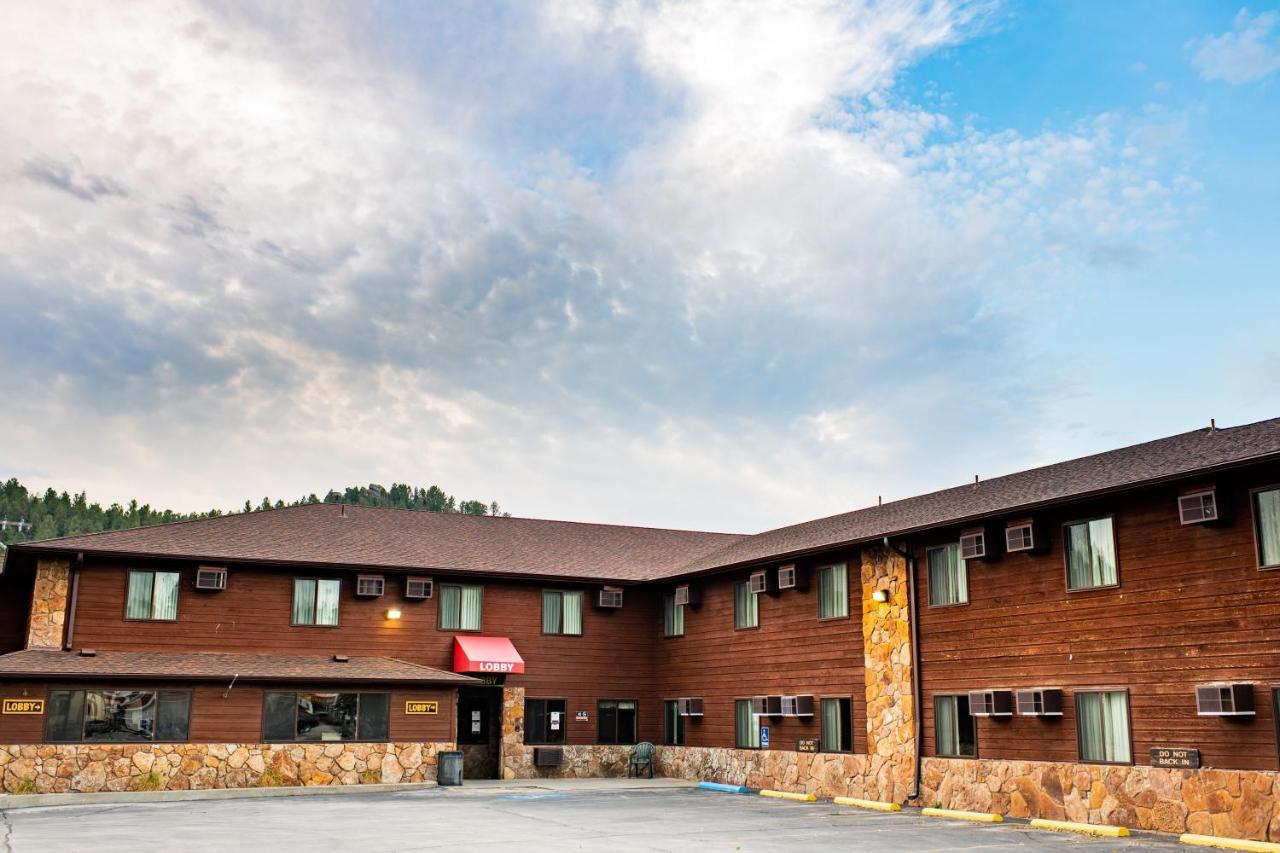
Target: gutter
[(916, 701)]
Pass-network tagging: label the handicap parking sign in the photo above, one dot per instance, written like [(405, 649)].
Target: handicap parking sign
[(764, 737)]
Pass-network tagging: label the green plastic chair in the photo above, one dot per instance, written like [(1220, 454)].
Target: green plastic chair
[(641, 759)]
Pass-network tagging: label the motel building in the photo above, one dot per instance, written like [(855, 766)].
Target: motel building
[(1096, 640)]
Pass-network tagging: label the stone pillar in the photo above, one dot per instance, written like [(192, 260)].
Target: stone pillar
[(886, 640), (512, 757), (49, 604)]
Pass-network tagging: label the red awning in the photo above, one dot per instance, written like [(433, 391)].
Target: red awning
[(493, 655)]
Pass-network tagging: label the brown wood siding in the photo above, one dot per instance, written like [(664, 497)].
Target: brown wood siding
[(219, 715), (1192, 607), (15, 600), (792, 652), (612, 659)]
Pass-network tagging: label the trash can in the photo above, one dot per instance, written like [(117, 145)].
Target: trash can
[(449, 768)]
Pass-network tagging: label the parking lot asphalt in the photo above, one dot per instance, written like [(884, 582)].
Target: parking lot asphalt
[(526, 818)]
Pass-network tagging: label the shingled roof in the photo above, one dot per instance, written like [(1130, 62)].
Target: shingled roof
[(1189, 453), (211, 665), (356, 536)]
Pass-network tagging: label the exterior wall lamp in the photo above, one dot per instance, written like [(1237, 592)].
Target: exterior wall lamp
[(881, 596), (393, 614)]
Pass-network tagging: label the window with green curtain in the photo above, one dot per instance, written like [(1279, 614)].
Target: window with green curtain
[(1102, 722), (833, 591), (672, 617), (955, 734), (1091, 554), (837, 725), (746, 725), (1266, 510), (948, 576), (460, 607), (561, 612), (746, 612), (152, 595), (316, 602)]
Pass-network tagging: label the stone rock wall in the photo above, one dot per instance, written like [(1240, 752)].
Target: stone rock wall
[(49, 604), (886, 643), (87, 768), (1229, 803), (822, 774), (581, 761)]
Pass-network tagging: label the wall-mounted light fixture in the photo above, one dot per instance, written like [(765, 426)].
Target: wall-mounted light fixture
[(880, 595), (393, 613)]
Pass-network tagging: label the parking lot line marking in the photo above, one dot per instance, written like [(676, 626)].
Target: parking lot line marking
[(1229, 843), (787, 795), (1085, 828), (867, 804), (724, 789), (979, 817)]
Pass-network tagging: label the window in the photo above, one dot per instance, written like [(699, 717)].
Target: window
[(746, 725), (672, 617), (326, 717), (544, 720), (561, 612), (616, 721), (837, 725), (117, 716), (1102, 723), (1091, 554), (948, 577), (672, 723), (957, 737), (460, 607), (152, 595), (315, 602), (1266, 516), (833, 592), (746, 610)]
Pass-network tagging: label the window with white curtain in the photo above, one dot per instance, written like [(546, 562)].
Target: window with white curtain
[(152, 595), (1266, 515), (837, 725), (561, 612), (948, 576), (1102, 721), (746, 610), (672, 616), (955, 734), (746, 725), (460, 607), (833, 591), (1091, 554), (315, 601)]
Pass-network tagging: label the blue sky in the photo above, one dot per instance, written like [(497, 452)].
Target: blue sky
[(700, 264)]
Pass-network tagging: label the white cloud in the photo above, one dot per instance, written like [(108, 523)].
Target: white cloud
[(661, 263), (1250, 51)]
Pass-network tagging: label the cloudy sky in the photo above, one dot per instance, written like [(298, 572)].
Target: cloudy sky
[(707, 264)]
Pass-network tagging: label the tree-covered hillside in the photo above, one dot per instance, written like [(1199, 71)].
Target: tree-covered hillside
[(49, 514)]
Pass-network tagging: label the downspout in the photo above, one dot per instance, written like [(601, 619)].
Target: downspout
[(69, 624), (915, 663)]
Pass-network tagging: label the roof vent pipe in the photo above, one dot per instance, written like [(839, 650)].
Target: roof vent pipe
[(1212, 426), (342, 510)]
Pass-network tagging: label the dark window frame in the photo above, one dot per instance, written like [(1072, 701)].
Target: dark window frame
[(671, 597), (848, 731), (747, 583), (582, 611), (635, 723), (315, 602), (177, 607), (1257, 528), (964, 563), (937, 750), (670, 711), (156, 689), (848, 591), (439, 599), (357, 739), (1066, 553), (546, 720), (1128, 722)]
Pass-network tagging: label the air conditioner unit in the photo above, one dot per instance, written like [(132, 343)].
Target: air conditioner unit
[(689, 707), (1224, 699), (787, 576), (370, 586), (973, 545), (690, 594), (415, 587), (991, 703), (766, 706), (211, 578), (610, 597), (1039, 702), (548, 756), (797, 706), (760, 582), (1024, 536), (1198, 507)]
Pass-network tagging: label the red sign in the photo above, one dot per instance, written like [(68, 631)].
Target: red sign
[(494, 655)]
